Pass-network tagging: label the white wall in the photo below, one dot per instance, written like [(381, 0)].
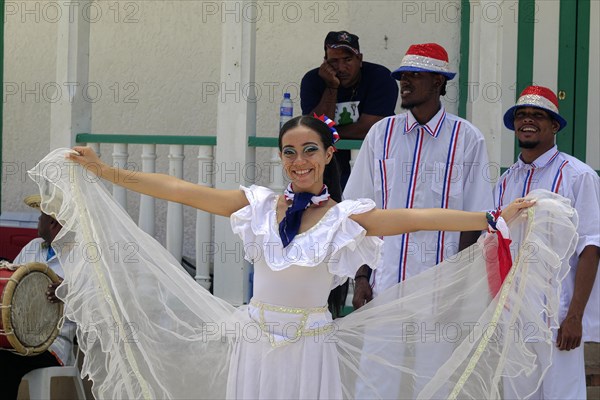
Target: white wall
[(29, 89), (154, 62)]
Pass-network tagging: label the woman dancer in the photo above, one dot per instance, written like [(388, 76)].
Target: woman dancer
[(302, 243)]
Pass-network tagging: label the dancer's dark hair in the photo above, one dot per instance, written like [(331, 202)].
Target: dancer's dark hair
[(331, 178)]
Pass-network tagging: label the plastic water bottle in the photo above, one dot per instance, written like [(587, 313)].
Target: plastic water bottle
[(286, 110)]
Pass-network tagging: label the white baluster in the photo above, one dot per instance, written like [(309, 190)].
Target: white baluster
[(120, 156), (277, 180), (204, 220), (353, 156), (95, 147), (147, 203), (175, 210)]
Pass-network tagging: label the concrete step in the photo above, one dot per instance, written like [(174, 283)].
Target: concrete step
[(592, 370)]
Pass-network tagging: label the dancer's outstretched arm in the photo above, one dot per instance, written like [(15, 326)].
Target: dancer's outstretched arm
[(397, 221), (215, 201)]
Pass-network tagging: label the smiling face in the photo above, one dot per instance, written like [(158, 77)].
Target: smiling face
[(535, 129), (304, 158), (346, 65)]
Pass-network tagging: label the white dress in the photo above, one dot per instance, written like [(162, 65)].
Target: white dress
[(291, 286), (148, 330)]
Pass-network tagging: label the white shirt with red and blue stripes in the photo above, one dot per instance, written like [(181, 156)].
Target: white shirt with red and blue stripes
[(575, 180), (402, 164)]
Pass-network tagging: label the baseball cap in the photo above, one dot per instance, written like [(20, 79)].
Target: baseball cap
[(342, 39)]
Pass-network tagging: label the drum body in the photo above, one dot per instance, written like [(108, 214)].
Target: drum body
[(29, 322)]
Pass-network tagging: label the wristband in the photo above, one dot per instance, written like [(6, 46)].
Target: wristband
[(492, 219), (361, 276)]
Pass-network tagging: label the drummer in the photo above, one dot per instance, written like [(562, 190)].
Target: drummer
[(14, 366)]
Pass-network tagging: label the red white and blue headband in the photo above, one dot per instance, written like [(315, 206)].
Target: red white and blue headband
[(330, 123)]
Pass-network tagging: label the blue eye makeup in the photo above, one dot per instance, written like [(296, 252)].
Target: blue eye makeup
[(308, 149), (311, 148), (288, 152)]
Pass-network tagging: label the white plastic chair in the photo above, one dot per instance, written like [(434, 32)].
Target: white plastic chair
[(39, 380)]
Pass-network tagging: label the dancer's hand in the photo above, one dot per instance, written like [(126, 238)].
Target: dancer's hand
[(514, 208), (363, 293), (87, 158)]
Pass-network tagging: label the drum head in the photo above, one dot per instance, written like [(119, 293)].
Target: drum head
[(33, 319)]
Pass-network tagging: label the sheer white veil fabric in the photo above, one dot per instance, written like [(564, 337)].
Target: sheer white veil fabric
[(148, 330)]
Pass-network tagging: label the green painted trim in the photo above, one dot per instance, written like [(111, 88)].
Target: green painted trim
[(525, 50), (581, 80), (463, 68), (525, 44), (346, 310), (567, 40), (1, 91), (146, 139), (255, 141), (573, 64), (347, 144)]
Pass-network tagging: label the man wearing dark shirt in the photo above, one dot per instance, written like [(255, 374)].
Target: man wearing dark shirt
[(355, 94)]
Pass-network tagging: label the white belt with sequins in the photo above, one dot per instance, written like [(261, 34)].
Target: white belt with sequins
[(287, 325)]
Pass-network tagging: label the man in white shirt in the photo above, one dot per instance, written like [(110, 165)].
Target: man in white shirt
[(15, 366), (536, 121), (425, 158)]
